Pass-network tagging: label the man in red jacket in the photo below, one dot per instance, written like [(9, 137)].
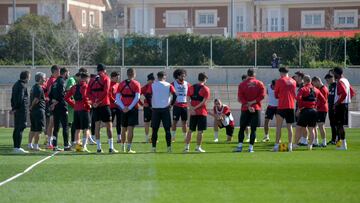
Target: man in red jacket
[(250, 94), (77, 99), (127, 98), (285, 89), (322, 110), (308, 97), (115, 111), (98, 93), (343, 94)]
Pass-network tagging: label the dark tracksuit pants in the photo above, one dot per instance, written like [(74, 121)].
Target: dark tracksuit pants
[(115, 112), (332, 124), (19, 127), (161, 115), (92, 122), (61, 116), (249, 119)]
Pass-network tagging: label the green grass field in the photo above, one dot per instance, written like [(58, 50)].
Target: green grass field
[(321, 175)]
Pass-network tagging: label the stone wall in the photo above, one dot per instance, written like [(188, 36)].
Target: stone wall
[(223, 84)]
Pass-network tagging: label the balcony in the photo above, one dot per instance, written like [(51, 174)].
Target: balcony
[(218, 31)]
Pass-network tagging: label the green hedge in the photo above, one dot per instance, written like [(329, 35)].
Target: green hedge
[(184, 49)]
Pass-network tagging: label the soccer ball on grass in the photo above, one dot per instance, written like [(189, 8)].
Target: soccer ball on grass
[(283, 147)]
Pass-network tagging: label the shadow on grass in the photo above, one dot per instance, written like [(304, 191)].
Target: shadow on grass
[(7, 150)]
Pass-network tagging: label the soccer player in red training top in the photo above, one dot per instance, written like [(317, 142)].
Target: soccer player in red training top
[(250, 94), (115, 111), (127, 98), (199, 94), (180, 107), (77, 98), (161, 92), (308, 97), (322, 110), (222, 119), (147, 105), (98, 93), (343, 94), (285, 89), (55, 73)]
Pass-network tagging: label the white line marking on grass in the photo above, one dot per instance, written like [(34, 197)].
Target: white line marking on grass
[(27, 170)]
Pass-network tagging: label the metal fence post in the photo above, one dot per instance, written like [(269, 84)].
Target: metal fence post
[(345, 52), (123, 52), (300, 48), (78, 50), (211, 52), (255, 53), (167, 53), (33, 50)]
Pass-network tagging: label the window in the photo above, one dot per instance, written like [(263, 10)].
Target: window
[(282, 24), (240, 23), (240, 19), (313, 19), (273, 22), (274, 25), (346, 18), (177, 18), (83, 18), (20, 11), (91, 19), (206, 18)]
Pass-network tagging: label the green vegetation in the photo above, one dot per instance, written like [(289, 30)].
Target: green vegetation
[(60, 44)]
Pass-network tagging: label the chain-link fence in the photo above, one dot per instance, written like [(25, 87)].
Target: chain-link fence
[(67, 47)]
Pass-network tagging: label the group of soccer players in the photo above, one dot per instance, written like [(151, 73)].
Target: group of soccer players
[(97, 99)]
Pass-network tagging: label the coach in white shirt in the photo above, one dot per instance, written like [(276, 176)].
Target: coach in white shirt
[(162, 93)]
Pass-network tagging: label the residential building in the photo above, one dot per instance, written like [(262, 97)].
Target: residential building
[(85, 14), (228, 17), (306, 15)]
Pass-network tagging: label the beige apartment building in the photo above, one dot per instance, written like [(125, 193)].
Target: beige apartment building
[(85, 14), (228, 17)]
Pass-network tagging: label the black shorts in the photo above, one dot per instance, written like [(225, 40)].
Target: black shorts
[(130, 118), (332, 116), (102, 113), (248, 118), (229, 129), (147, 114), (180, 112), (307, 118), (81, 120), (287, 114), (270, 112), (161, 115), (199, 122), (37, 120), (321, 117), (341, 114), (48, 112)]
